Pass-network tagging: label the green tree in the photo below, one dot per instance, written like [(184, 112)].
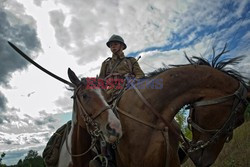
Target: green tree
[(31, 155), (1, 158), (32, 160), (20, 163), (181, 118)]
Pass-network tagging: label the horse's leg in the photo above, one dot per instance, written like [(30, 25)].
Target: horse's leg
[(156, 151)]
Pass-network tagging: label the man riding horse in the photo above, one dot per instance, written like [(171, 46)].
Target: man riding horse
[(117, 66), (113, 69)]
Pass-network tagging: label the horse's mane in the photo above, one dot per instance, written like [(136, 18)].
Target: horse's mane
[(217, 62)]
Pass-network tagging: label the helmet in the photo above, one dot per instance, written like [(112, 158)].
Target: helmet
[(116, 38)]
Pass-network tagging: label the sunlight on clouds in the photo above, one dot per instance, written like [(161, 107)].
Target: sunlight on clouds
[(24, 140)]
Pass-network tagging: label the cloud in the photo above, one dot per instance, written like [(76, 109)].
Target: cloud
[(61, 32), (65, 102), (18, 28), (38, 2), (3, 102), (159, 31), (13, 122), (145, 25), (84, 31), (46, 120)]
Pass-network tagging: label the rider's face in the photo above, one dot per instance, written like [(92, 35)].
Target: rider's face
[(115, 47)]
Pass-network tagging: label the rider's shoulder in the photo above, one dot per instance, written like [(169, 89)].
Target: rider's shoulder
[(107, 60), (130, 58)]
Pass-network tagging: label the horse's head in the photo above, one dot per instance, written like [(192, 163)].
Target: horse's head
[(94, 111), (213, 121)]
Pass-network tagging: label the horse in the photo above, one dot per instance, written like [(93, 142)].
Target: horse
[(147, 111), (218, 98), (92, 120)]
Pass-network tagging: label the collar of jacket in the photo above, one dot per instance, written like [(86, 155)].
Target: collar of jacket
[(118, 57)]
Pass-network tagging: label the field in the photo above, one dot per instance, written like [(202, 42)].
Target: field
[(236, 153)]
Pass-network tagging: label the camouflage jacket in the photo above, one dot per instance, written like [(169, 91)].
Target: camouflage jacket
[(119, 66)]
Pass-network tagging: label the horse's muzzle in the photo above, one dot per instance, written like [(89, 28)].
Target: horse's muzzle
[(114, 132)]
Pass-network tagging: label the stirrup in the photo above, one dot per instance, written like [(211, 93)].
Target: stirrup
[(102, 163), (94, 163)]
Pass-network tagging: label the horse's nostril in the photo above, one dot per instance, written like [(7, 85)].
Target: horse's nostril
[(108, 127), (111, 131)]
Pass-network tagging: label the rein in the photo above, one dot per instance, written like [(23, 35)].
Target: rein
[(164, 130), (151, 109), (239, 98), (91, 125)]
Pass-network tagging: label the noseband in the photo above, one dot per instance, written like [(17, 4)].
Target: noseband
[(227, 128)]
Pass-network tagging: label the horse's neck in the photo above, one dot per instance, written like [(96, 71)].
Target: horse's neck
[(181, 86), (186, 85)]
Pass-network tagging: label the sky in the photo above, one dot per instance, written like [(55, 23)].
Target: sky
[(58, 34)]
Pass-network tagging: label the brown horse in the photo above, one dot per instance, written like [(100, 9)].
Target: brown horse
[(146, 142), (219, 100), (92, 120)]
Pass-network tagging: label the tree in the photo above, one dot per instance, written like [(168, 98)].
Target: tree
[(181, 117), (32, 159), (31, 154), (20, 163), (1, 158)]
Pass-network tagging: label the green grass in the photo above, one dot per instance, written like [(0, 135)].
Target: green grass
[(236, 153)]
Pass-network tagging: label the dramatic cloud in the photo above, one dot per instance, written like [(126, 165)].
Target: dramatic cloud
[(84, 31), (18, 28), (147, 26), (199, 28), (158, 31)]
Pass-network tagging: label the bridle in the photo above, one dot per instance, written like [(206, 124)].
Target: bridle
[(227, 128), (91, 125)]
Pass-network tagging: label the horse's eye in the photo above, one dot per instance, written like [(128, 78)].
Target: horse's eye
[(84, 95)]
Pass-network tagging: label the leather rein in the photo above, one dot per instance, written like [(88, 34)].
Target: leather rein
[(154, 111), (239, 98), (91, 125)]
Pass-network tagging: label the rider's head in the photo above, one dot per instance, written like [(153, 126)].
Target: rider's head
[(116, 44)]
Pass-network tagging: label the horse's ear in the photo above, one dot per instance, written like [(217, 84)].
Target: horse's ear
[(73, 78)]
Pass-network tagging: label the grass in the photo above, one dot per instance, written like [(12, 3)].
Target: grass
[(236, 153)]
